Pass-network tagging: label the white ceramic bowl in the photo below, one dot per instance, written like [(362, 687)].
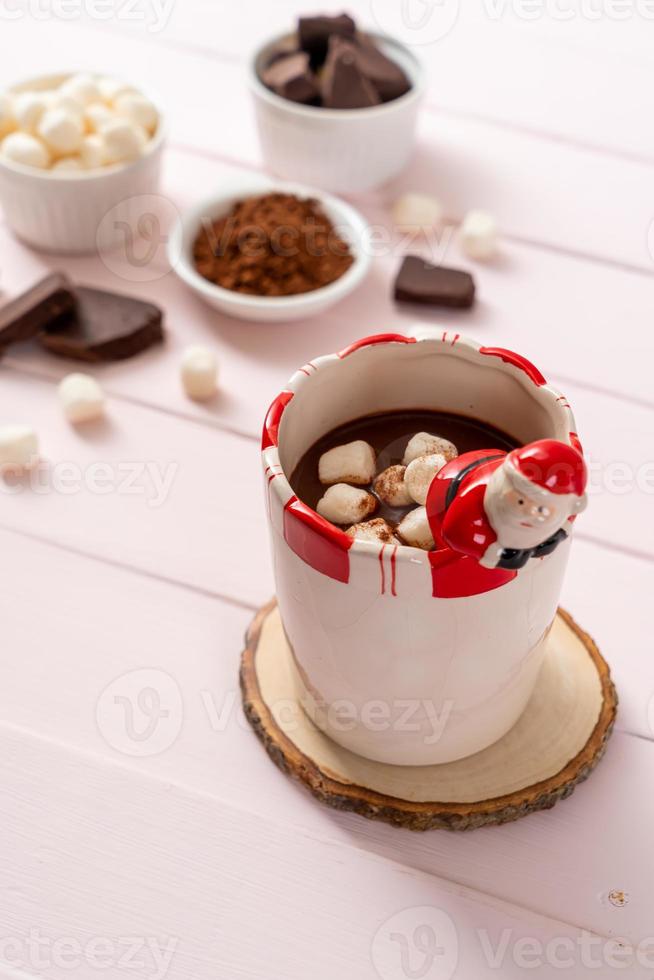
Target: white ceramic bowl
[(342, 150), (59, 211), (269, 309)]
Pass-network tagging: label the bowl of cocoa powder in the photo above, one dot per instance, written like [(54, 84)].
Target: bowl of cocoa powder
[(271, 253)]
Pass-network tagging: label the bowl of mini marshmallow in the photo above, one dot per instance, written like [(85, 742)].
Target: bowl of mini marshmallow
[(77, 152)]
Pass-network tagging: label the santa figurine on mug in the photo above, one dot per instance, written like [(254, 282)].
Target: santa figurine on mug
[(505, 508)]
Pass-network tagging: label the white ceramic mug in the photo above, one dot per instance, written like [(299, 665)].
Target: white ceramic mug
[(387, 663)]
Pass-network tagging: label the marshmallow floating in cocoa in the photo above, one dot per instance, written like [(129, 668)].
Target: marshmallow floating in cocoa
[(415, 531), (375, 530), (390, 487), (343, 504), (424, 444), (420, 473), (354, 462)]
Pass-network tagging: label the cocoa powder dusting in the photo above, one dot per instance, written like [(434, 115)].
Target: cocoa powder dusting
[(272, 245)]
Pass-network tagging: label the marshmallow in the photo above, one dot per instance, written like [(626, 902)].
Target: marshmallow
[(478, 235), (199, 371), (415, 531), (414, 211), (112, 88), (81, 397), (28, 109), (376, 530), (18, 447), (424, 444), (26, 149), (82, 88), (354, 462), (97, 115), (70, 164), (138, 110), (343, 504), (123, 140), (390, 487), (66, 103), (61, 130), (7, 119), (93, 152), (420, 473)]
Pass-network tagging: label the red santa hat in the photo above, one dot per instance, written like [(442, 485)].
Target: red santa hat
[(548, 466)]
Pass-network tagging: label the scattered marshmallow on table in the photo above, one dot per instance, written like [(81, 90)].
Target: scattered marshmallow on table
[(199, 371), (478, 235), (391, 488), (26, 149), (420, 473), (343, 504), (61, 131), (354, 462), (415, 531), (415, 211), (376, 530), (81, 397), (18, 447), (424, 444)]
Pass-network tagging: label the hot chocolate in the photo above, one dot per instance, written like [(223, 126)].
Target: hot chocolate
[(381, 491)]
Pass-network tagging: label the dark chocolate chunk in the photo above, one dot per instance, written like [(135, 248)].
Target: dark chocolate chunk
[(344, 86), (28, 314), (282, 49), (104, 327), (292, 78), (421, 282), (389, 79), (314, 34)]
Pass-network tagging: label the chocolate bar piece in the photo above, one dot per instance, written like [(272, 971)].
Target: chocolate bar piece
[(24, 317), (434, 285), (314, 34), (292, 78), (344, 86), (389, 79), (104, 327)]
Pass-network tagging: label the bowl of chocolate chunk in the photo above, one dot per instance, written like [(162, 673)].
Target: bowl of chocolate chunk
[(271, 253), (73, 148), (336, 106)]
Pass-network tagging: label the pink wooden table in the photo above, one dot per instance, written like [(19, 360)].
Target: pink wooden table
[(181, 851)]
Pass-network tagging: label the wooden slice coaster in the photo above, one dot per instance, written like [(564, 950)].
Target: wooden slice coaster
[(554, 746)]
